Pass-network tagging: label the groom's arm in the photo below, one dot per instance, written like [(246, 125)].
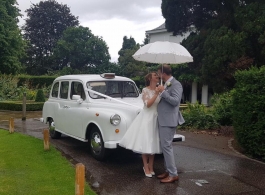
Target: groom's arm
[(174, 94)]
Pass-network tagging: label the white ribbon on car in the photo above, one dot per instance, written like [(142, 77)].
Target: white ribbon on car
[(108, 97)]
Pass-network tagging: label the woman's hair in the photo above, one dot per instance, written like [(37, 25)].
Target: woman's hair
[(165, 68), (148, 77)]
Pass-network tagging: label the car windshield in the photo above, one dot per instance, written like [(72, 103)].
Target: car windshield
[(115, 89)]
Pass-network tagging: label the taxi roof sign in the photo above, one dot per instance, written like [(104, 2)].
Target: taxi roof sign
[(108, 75)]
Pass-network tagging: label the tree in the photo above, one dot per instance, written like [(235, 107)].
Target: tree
[(11, 42), (146, 39), (181, 15), (229, 36), (129, 66), (128, 43), (80, 49), (250, 20), (44, 26), (110, 67), (227, 47)]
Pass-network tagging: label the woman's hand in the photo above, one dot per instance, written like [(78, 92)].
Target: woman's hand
[(156, 91), (160, 88)]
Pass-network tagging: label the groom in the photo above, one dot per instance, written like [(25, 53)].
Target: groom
[(169, 117)]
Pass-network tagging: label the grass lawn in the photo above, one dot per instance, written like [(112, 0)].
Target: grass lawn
[(25, 168)]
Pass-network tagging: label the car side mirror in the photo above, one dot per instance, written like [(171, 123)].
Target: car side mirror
[(76, 97)]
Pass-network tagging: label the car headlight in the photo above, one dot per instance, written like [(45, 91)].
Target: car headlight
[(115, 119)]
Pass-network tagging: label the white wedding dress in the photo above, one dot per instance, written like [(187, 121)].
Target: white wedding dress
[(142, 136)]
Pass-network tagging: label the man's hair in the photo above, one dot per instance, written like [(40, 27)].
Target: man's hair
[(166, 69), (148, 77)]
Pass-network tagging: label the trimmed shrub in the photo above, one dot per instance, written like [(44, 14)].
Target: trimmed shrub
[(13, 87), (30, 93), (222, 108), (248, 111), (40, 96), (17, 106), (198, 117), (8, 86), (35, 81)]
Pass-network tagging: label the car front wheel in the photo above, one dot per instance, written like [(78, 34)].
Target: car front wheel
[(53, 133), (97, 148)]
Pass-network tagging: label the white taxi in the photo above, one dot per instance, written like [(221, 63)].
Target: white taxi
[(97, 109)]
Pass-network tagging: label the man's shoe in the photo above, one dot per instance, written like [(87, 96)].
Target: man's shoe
[(169, 179), (163, 175)]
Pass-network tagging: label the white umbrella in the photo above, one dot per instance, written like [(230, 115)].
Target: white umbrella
[(163, 52)]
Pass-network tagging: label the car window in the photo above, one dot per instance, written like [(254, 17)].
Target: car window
[(99, 86), (64, 89), (55, 90), (77, 89), (129, 89), (113, 89)]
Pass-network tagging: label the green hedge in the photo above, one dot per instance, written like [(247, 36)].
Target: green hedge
[(35, 81), (17, 106), (197, 116), (40, 81), (248, 111), (222, 108)]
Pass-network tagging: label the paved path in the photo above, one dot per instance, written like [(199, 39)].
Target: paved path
[(207, 165)]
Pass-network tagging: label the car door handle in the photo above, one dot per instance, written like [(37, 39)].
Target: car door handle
[(65, 106)]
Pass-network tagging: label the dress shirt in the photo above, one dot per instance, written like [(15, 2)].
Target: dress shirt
[(165, 85)]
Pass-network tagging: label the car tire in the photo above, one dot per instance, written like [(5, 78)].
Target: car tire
[(53, 133), (96, 145)]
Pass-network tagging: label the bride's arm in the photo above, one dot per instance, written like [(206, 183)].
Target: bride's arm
[(146, 97)]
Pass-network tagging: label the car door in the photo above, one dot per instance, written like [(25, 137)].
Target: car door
[(76, 110), (63, 100)]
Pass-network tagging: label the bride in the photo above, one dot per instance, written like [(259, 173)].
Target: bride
[(142, 136)]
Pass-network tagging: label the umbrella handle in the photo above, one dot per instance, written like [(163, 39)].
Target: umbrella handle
[(161, 75)]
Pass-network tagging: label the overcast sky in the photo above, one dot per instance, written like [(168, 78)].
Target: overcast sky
[(112, 19)]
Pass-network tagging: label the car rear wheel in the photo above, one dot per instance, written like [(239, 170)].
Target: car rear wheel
[(97, 148), (53, 133)]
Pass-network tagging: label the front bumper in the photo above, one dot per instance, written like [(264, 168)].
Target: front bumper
[(111, 144)]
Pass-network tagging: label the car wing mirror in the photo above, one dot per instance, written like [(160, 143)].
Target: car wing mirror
[(76, 97)]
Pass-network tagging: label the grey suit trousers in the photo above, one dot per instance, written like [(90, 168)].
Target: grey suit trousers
[(166, 135)]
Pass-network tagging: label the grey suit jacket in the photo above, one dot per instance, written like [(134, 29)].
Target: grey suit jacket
[(168, 107)]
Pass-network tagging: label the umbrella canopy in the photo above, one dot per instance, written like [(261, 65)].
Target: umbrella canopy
[(163, 52)]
